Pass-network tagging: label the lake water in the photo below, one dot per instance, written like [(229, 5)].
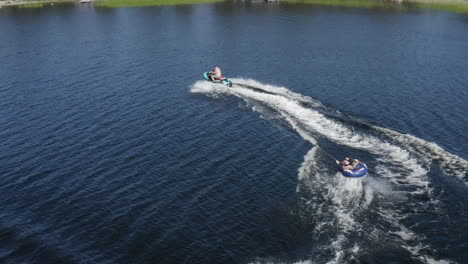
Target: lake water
[(114, 150)]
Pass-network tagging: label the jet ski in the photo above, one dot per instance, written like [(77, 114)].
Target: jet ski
[(222, 79)]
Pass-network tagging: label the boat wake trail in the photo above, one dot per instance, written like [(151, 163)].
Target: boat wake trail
[(351, 215)]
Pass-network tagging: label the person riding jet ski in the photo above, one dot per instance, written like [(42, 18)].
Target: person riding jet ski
[(216, 74)]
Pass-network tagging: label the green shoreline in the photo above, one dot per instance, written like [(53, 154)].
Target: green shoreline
[(104, 3), (456, 6), (32, 3), (142, 3)]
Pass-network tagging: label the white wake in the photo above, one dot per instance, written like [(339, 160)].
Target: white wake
[(402, 160)]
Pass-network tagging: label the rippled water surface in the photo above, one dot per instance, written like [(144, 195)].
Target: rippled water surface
[(114, 150)]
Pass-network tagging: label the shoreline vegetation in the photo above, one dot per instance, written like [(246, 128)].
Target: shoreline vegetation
[(104, 3), (456, 6), (141, 3)]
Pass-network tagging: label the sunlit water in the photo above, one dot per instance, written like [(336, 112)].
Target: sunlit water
[(115, 151)]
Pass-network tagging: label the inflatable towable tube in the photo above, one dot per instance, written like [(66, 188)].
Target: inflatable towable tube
[(359, 171), (223, 80)]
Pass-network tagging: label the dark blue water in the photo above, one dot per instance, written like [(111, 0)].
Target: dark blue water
[(113, 150)]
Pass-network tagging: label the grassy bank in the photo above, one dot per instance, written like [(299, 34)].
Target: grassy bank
[(457, 6), (344, 3), (32, 3), (104, 3), (136, 3)]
